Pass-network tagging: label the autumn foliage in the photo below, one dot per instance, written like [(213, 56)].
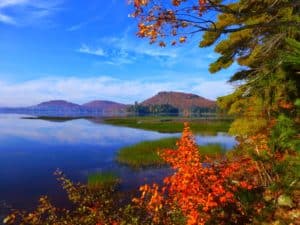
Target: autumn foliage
[(156, 22), (202, 189)]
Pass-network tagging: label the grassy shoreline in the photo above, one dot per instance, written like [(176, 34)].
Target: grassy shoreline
[(171, 124), (145, 154)]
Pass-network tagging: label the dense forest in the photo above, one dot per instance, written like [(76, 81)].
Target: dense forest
[(169, 110)]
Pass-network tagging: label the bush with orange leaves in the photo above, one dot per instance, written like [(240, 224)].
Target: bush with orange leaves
[(201, 190)]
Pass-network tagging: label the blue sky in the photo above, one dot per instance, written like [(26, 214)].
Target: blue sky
[(86, 50)]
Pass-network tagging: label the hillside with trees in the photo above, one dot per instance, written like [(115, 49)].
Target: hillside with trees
[(179, 100), (174, 104)]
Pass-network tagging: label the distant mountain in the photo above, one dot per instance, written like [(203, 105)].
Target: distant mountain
[(57, 104), (50, 108), (106, 106), (65, 108), (163, 102), (180, 100)]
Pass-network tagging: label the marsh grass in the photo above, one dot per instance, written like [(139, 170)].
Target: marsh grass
[(211, 150), (103, 179), (171, 125), (145, 154)]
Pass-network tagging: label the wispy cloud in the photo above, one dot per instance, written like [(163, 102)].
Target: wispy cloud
[(126, 49), (7, 19), (112, 56), (88, 50), (6, 3), (27, 12), (123, 51), (81, 90), (141, 48)]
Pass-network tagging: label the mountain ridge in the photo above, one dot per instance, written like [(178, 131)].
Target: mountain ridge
[(179, 100), (56, 103), (105, 105)]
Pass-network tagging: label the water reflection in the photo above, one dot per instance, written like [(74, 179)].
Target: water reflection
[(31, 150), (73, 132)]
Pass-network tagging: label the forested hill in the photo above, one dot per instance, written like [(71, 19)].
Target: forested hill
[(180, 100)]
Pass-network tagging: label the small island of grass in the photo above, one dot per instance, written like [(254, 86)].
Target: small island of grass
[(145, 154)]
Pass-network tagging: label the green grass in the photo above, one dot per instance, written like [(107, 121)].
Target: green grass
[(104, 179), (171, 125), (144, 154), (211, 149)]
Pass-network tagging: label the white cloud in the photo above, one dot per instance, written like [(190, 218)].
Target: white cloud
[(213, 89), (120, 57), (7, 19), (27, 12), (81, 90), (88, 50)]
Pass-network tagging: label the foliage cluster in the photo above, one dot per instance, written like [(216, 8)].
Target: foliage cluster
[(204, 191)]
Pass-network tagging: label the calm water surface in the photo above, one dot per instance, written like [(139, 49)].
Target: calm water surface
[(31, 150)]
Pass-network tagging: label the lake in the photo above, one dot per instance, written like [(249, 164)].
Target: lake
[(31, 150)]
